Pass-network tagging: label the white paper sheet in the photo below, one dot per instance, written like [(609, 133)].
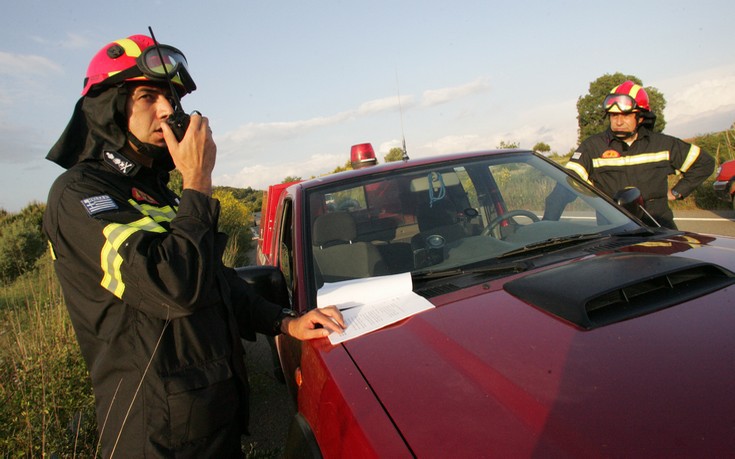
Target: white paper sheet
[(371, 303)]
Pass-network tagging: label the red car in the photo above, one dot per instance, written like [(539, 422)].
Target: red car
[(562, 326), (724, 184)]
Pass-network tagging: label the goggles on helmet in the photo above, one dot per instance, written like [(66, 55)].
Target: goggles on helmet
[(624, 103), (151, 66), (149, 62)]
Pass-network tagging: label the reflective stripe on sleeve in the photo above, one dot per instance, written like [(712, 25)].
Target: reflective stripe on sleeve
[(579, 170), (111, 260), (159, 214), (691, 157)]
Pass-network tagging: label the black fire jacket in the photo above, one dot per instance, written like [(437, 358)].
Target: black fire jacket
[(610, 164), (158, 317)]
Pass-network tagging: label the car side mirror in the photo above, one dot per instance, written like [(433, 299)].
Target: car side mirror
[(268, 282), (631, 200)]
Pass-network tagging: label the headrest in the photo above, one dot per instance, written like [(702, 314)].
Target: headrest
[(334, 227)]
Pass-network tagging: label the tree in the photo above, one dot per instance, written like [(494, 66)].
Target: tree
[(507, 146), (291, 179), (591, 118), (346, 167), (253, 199), (542, 147), (176, 182), (395, 154)]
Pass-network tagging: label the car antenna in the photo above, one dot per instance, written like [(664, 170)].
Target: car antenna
[(400, 109)]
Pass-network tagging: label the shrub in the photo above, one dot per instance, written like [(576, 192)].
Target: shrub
[(21, 244), (235, 221)]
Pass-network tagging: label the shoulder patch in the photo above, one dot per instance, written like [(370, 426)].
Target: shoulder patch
[(577, 155), (97, 204), (119, 162)]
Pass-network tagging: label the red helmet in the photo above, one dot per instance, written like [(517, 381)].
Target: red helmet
[(627, 97), (136, 58)]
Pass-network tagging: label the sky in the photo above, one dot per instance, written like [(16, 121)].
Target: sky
[(289, 86)]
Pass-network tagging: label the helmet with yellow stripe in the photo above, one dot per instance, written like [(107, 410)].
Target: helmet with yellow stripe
[(136, 58), (627, 97)]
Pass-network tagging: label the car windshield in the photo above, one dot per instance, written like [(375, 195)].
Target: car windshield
[(452, 215)]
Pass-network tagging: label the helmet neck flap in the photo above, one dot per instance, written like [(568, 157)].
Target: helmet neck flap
[(99, 123)]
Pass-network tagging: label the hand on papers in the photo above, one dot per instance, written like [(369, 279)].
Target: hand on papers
[(305, 327), (372, 303)]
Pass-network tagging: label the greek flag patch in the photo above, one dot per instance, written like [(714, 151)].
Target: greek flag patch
[(97, 204)]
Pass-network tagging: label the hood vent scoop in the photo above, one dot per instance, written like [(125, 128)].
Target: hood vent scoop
[(615, 287), (431, 292)]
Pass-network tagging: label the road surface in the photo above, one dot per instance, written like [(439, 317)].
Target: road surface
[(706, 221)]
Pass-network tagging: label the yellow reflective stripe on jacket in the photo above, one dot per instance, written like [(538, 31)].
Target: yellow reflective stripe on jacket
[(579, 170), (159, 214), (632, 160), (691, 158), (116, 234)]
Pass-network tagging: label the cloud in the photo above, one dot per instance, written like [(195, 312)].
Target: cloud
[(434, 97), (385, 104), (260, 176), (21, 65), (71, 41), (450, 144), (20, 144), (259, 133), (281, 129), (700, 102)]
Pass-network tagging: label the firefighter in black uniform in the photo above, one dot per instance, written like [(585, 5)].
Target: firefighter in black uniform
[(158, 317), (629, 154)]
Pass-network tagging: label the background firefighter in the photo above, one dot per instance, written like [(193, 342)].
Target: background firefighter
[(629, 153)]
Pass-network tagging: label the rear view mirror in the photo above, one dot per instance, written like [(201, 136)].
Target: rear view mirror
[(268, 282), (631, 200)]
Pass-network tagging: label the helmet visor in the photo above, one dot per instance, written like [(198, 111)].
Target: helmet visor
[(623, 102), (163, 62)]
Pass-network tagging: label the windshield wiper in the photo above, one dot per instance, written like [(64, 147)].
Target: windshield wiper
[(504, 268), (636, 232), (553, 242)]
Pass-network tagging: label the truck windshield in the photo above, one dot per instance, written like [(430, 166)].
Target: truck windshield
[(449, 214)]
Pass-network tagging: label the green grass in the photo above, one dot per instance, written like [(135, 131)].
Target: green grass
[(46, 403)]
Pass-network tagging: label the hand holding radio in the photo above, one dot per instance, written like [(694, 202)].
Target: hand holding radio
[(195, 155), (178, 122)]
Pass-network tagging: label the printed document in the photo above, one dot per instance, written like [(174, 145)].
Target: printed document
[(371, 303)]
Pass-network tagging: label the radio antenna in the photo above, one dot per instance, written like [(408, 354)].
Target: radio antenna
[(400, 109), (179, 120), (174, 94)]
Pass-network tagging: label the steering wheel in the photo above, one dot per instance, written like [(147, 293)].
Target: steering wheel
[(510, 214), (348, 204)]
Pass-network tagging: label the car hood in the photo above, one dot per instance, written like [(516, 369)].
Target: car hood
[(487, 373)]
